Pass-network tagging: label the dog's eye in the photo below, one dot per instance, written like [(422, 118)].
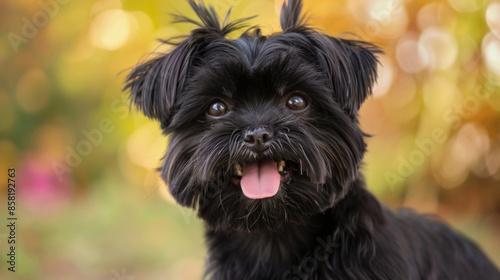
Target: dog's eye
[(217, 109), (296, 103)]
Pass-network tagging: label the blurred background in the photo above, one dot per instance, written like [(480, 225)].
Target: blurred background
[(89, 202)]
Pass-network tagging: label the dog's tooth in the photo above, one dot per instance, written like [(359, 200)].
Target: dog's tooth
[(239, 170), (281, 166)]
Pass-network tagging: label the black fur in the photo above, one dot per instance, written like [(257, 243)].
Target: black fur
[(322, 223)]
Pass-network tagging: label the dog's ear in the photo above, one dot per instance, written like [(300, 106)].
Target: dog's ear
[(351, 66), (154, 85)]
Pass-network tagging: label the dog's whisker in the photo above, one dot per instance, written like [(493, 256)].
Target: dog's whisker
[(256, 218), (222, 149)]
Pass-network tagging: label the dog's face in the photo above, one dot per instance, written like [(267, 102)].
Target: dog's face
[(263, 129)]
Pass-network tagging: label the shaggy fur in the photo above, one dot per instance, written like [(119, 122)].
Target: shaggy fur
[(322, 223)]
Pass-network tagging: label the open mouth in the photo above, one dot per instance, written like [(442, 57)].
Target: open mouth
[(262, 179)]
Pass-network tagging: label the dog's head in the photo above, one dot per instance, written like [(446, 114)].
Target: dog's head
[(263, 129)]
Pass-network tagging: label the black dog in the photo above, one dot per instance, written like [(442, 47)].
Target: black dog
[(265, 144)]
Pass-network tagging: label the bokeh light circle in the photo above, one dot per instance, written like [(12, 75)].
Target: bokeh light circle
[(493, 18), (110, 29), (411, 56), (491, 53), (440, 46), (385, 79)]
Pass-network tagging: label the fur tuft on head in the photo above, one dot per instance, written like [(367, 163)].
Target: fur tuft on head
[(291, 18)]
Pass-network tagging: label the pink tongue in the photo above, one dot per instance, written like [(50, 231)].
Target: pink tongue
[(260, 179)]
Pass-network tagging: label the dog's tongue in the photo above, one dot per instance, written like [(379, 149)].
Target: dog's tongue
[(260, 179)]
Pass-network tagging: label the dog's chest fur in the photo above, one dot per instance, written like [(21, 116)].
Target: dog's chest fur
[(357, 239)]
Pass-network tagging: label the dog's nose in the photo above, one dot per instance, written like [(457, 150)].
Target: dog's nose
[(258, 139)]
